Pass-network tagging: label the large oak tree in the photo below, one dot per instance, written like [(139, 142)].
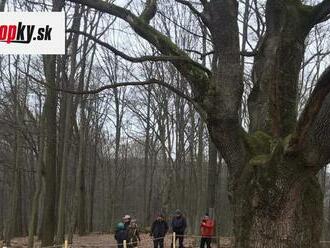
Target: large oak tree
[(274, 193)]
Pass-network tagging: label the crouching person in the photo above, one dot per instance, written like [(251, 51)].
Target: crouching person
[(159, 229)]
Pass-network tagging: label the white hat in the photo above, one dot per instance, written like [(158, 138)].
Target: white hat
[(127, 216)]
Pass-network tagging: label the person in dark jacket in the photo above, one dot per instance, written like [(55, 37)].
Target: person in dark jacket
[(159, 229), (120, 235), (179, 225)]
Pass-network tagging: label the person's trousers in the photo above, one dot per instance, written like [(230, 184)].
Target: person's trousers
[(205, 241), (159, 243), (180, 238), (132, 244)]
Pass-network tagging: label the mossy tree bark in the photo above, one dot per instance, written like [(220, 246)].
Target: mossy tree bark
[(274, 193), (281, 203)]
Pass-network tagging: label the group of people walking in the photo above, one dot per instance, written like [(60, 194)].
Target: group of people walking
[(128, 230)]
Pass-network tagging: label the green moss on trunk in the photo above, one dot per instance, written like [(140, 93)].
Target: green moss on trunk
[(278, 194)]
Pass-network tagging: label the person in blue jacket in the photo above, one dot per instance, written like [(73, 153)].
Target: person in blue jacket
[(121, 234), (179, 225)]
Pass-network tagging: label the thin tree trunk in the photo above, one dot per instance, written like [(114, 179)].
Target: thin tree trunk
[(36, 197), (151, 185), (2, 5), (93, 167), (78, 218), (212, 180), (49, 221), (91, 201), (146, 160), (199, 175), (50, 107), (327, 236), (212, 176), (114, 197), (2, 198), (14, 222), (192, 189), (79, 204), (219, 211), (64, 163), (68, 129)]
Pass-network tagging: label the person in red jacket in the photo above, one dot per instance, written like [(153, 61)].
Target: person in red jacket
[(207, 229)]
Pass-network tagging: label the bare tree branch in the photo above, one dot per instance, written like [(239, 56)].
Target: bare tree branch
[(116, 85), (139, 59), (243, 53), (202, 55), (182, 27), (194, 10), (198, 78)]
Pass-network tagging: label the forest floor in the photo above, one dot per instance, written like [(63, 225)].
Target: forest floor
[(107, 240)]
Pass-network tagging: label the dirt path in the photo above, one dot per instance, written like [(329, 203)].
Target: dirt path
[(107, 240)]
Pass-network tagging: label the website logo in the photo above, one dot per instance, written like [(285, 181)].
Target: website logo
[(32, 33)]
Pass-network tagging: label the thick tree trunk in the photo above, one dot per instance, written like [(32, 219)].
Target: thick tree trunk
[(275, 198), (280, 204), (292, 219)]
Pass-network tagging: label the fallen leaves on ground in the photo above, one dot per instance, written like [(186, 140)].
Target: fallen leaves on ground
[(97, 240)]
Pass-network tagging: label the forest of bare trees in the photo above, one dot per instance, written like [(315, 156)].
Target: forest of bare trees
[(217, 106)]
